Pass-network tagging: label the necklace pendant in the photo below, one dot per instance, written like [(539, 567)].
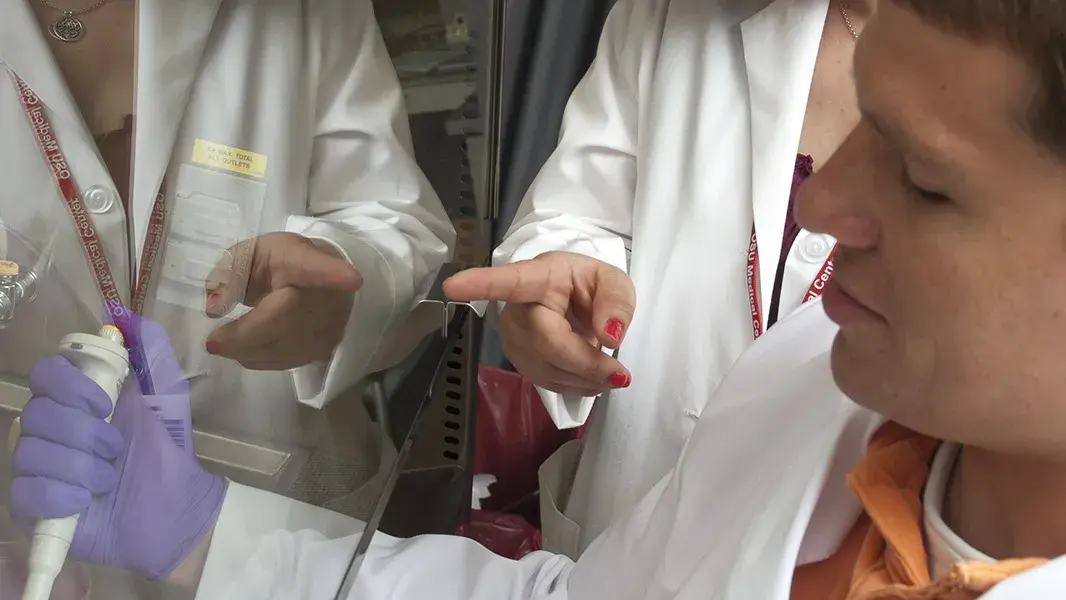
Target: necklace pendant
[(67, 28)]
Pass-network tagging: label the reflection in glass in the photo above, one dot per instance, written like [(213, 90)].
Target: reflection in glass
[(267, 147)]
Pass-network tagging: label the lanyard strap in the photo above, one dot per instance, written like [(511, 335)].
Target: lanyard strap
[(813, 291), (90, 240)]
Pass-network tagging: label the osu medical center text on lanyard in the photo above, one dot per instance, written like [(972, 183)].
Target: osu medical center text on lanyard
[(813, 291), (90, 241)]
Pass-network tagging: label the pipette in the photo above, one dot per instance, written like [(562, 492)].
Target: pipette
[(104, 360)]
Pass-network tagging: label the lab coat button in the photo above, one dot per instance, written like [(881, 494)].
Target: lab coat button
[(98, 199), (815, 248)]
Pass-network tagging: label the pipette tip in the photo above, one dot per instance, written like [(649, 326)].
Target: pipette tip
[(112, 333)]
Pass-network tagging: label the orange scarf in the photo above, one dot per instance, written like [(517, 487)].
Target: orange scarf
[(884, 557)]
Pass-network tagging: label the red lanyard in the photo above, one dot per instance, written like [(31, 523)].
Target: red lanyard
[(90, 241), (815, 289)]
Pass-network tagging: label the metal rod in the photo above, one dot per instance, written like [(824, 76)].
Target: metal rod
[(497, 26)]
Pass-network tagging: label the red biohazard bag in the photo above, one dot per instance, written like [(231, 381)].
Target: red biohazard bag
[(514, 436), (510, 536)]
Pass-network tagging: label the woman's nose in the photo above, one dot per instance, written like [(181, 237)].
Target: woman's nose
[(831, 201)]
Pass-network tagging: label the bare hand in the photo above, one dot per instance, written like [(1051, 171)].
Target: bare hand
[(561, 308), (301, 293)]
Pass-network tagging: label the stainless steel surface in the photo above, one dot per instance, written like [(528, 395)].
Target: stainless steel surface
[(13, 396), (437, 359), (7, 309), (372, 524), (436, 297), (441, 462), (494, 105), (253, 464), (15, 290), (436, 94), (379, 399)]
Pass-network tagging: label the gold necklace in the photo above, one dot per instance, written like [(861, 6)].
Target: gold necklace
[(847, 19), (68, 27)]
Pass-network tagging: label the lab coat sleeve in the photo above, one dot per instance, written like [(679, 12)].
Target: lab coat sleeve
[(366, 194), (582, 199), (266, 547), (1046, 582)]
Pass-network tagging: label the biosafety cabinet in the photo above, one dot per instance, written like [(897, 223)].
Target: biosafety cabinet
[(337, 456)]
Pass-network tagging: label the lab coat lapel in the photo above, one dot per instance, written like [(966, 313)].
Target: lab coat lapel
[(780, 49), (763, 451), (1043, 583), (24, 50), (171, 41), (730, 522)]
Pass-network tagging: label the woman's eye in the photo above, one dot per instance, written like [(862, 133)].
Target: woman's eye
[(930, 196), (922, 193)]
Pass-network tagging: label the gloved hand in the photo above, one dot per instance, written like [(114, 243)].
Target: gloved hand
[(144, 502), (561, 309)]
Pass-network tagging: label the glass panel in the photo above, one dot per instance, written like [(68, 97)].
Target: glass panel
[(289, 176)]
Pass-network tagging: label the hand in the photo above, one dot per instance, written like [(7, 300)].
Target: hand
[(561, 308), (301, 292), (144, 502)]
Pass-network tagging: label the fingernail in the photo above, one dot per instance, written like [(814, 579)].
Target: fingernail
[(620, 380), (213, 297), (614, 329), (211, 346)]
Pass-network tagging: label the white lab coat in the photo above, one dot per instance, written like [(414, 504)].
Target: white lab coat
[(309, 86), (685, 129), (759, 488)]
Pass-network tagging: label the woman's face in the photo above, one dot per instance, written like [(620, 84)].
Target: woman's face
[(950, 281)]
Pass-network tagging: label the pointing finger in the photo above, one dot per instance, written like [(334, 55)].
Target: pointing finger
[(526, 281)]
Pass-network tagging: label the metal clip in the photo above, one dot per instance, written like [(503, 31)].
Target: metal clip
[(447, 307), (15, 288)]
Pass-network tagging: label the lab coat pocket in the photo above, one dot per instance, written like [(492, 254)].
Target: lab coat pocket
[(556, 476), (210, 214)]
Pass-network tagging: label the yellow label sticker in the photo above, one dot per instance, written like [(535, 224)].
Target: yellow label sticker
[(229, 159), (8, 268)]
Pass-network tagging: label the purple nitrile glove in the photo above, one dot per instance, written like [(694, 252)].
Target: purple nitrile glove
[(144, 502)]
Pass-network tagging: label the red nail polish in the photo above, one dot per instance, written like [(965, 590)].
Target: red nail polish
[(620, 380), (614, 329), (213, 297), (211, 346)]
